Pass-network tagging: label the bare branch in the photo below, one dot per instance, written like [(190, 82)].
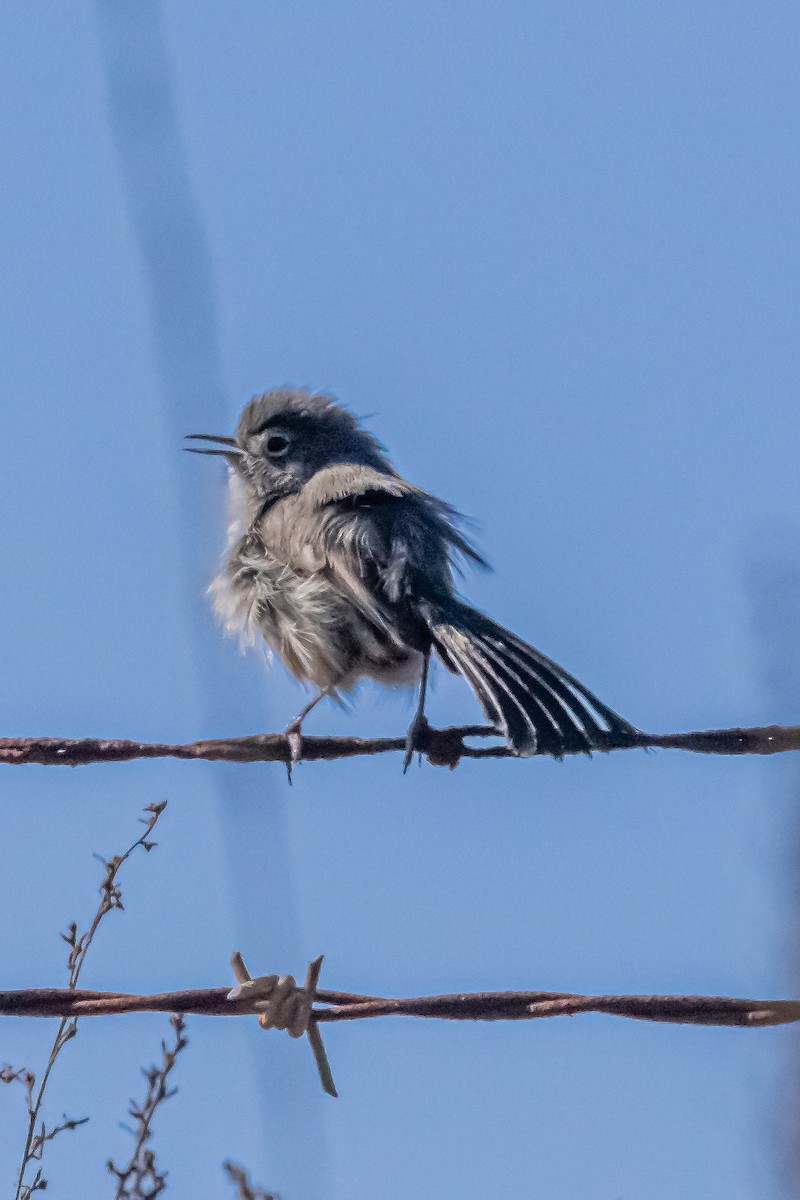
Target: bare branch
[(141, 1178), (442, 747), (37, 1133), (245, 1190)]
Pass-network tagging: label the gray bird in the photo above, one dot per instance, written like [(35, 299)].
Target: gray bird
[(346, 570)]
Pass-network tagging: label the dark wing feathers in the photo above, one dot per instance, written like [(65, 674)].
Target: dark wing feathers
[(392, 548), (543, 708), (405, 541)]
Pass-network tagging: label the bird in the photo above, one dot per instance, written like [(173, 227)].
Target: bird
[(347, 572)]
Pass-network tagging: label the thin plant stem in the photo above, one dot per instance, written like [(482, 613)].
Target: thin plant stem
[(110, 898)]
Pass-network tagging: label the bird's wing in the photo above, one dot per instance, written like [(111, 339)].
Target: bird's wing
[(381, 542)]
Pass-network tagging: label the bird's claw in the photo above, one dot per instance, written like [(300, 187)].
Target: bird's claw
[(416, 739), (294, 737)]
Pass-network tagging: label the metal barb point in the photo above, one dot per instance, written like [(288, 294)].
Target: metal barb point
[(280, 1004)]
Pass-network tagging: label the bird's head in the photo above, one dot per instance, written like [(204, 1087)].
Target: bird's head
[(284, 437)]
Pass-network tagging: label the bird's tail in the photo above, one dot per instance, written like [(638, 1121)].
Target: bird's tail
[(535, 704)]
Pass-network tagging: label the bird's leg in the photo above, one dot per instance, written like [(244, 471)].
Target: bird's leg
[(293, 731), (420, 723)]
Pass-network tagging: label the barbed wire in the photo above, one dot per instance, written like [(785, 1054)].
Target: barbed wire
[(338, 1006), (442, 747), (460, 1006), (280, 1004)]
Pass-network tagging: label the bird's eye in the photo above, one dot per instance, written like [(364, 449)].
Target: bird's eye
[(276, 445)]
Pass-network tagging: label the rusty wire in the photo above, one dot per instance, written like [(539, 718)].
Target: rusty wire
[(442, 747), (301, 1010), (461, 1006)]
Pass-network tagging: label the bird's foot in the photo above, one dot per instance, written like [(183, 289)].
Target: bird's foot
[(294, 737), (416, 739)]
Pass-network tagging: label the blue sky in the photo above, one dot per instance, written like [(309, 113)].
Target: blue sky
[(552, 250)]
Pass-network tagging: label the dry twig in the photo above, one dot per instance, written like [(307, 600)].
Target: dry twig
[(37, 1134), (245, 1190), (141, 1178), (442, 747)]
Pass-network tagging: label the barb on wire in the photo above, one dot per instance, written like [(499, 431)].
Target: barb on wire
[(442, 747), (281, 1004)]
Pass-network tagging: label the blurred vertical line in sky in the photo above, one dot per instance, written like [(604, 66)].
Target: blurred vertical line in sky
[(180, 287), (774, 586)]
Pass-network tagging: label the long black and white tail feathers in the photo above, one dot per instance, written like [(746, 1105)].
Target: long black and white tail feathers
[(535, 704)]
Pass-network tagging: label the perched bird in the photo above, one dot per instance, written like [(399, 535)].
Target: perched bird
[(346, 570)]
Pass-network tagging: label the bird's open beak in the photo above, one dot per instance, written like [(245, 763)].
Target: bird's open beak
[(232, 452)]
